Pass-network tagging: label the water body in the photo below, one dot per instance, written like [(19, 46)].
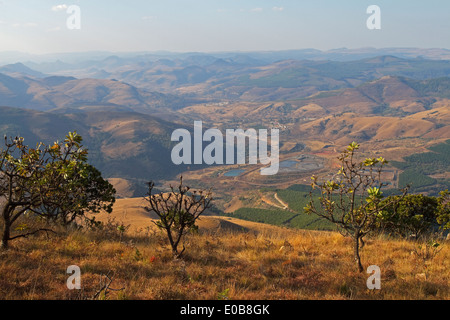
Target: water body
[(234, 173), (303, 163), (288, 164)]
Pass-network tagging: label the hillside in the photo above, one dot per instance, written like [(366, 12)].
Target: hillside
[(19, 69), (386, 103), (131, 212), (262, 264), (125, 145), (256, 242), (387, 96), (66, 93), (427, 171)]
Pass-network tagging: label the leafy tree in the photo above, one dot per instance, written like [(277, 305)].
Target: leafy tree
[(53, 182), (178, 211), (20, 168), (416, 215), (78, 187), (352, 200), (81, 191), (412, 215)]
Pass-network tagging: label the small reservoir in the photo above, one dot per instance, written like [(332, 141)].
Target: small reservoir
[(234, 173)]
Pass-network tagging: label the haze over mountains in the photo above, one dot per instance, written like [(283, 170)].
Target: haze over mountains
[(126, 106), (339, 54), (240, 76), (20, 89)]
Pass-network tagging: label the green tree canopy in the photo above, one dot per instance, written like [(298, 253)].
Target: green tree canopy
[(412, 215), (54, 182)]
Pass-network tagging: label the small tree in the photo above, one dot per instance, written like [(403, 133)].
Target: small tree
[(53, 182), (178, 211), (352, 199), (20, 168)]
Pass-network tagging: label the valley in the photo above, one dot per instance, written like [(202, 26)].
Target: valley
[(224, 158), (126, 109)]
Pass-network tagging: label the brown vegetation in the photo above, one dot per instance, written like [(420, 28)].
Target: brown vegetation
[(264, 262)]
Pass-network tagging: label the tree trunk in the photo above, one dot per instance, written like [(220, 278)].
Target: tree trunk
[(6, 235), (173, 245), (357, 257)]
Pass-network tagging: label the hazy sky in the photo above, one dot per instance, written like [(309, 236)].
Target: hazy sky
[(39, 26)]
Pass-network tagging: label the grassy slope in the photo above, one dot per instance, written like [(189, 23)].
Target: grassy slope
[(250, 265), (418, 168), (296, 197)]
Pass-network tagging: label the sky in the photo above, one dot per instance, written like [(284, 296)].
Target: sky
[(40, 26)]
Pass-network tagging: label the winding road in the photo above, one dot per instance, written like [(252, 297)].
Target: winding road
[(285, 205)]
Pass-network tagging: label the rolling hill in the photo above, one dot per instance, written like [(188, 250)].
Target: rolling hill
[(19, 69), (254, 77), (131, 212), (395, 97), (56, 92), (127, 145), (387, 103)]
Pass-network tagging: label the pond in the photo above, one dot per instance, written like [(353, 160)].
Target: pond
[(288, 164), (234, 173), (303, 163)]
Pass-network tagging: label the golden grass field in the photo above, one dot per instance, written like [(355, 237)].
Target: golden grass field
[(227, 259)]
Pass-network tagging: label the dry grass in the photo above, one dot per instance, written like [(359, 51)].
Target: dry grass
[(265, 264)]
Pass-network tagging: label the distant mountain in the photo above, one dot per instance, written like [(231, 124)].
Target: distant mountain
[(403, 103), (385, 93), (432, 87), (17, 69), (248, 79), (257, 76), (57, 92), (338, 54)]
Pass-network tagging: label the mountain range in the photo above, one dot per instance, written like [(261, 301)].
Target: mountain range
[(126, 107), (242, 77)]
